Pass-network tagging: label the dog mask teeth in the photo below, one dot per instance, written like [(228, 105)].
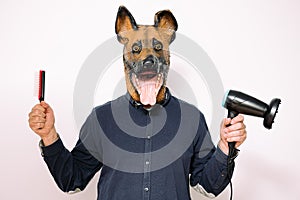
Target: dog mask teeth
[(148, 88)]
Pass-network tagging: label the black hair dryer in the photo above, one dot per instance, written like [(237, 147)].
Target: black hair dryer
[(237, 102)]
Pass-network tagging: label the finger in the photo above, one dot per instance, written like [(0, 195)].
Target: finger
[(36, 126), (36, 113), (237, 119), (234, 139), (237, 133), (238, 138), (234, 127), (238, 141), (45, 105), (37, 119), (38, 107), (225, 122), (48, 108)]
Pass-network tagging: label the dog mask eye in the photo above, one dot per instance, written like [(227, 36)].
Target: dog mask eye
[(157, 45), (136, 48)]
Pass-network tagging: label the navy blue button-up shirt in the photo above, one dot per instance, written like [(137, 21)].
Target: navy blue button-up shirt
[(152, 154)]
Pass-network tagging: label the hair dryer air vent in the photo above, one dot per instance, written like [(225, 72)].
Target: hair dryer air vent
[(271, 113)]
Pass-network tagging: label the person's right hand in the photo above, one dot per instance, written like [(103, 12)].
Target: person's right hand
[(41, 121)]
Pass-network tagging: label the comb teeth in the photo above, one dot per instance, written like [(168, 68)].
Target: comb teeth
[(41, 91), (36, 84)]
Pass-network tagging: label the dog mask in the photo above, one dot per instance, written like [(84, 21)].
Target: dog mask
[(146, 54)]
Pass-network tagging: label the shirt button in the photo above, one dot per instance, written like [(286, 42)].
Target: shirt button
[(146, 189), (147, 162)]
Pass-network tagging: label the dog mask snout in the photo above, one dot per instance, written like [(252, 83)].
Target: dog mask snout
[(148, 62)]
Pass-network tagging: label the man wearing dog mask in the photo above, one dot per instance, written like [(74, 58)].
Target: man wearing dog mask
[(148, 144)]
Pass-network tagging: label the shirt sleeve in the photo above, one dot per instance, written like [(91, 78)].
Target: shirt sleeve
[(209, 164), (73, 170)]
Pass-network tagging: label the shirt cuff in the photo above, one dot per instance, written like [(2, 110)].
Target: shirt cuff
[(51, 149), (221, 156)]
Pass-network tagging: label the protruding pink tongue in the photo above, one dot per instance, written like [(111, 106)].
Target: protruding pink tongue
[(148, 88), (148, 92)]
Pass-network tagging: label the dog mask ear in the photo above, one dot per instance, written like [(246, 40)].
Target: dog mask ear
[(166, 20), (124, 23)]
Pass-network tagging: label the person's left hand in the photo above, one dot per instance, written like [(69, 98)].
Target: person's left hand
[(236, 132)]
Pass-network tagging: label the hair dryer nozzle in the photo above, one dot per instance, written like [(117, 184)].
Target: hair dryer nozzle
[(271, 113)]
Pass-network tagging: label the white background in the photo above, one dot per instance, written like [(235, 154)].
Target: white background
[(255, 46)]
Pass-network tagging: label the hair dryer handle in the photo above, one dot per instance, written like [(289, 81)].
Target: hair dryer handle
[(233, 152), (231, 114)]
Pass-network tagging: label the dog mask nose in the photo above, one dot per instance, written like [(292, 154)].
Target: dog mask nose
[(148, 62)]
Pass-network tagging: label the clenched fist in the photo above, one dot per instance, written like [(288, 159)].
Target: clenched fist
[(41, 121), (236, 132)]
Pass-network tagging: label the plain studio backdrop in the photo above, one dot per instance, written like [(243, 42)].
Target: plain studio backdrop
[(254, 45)]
